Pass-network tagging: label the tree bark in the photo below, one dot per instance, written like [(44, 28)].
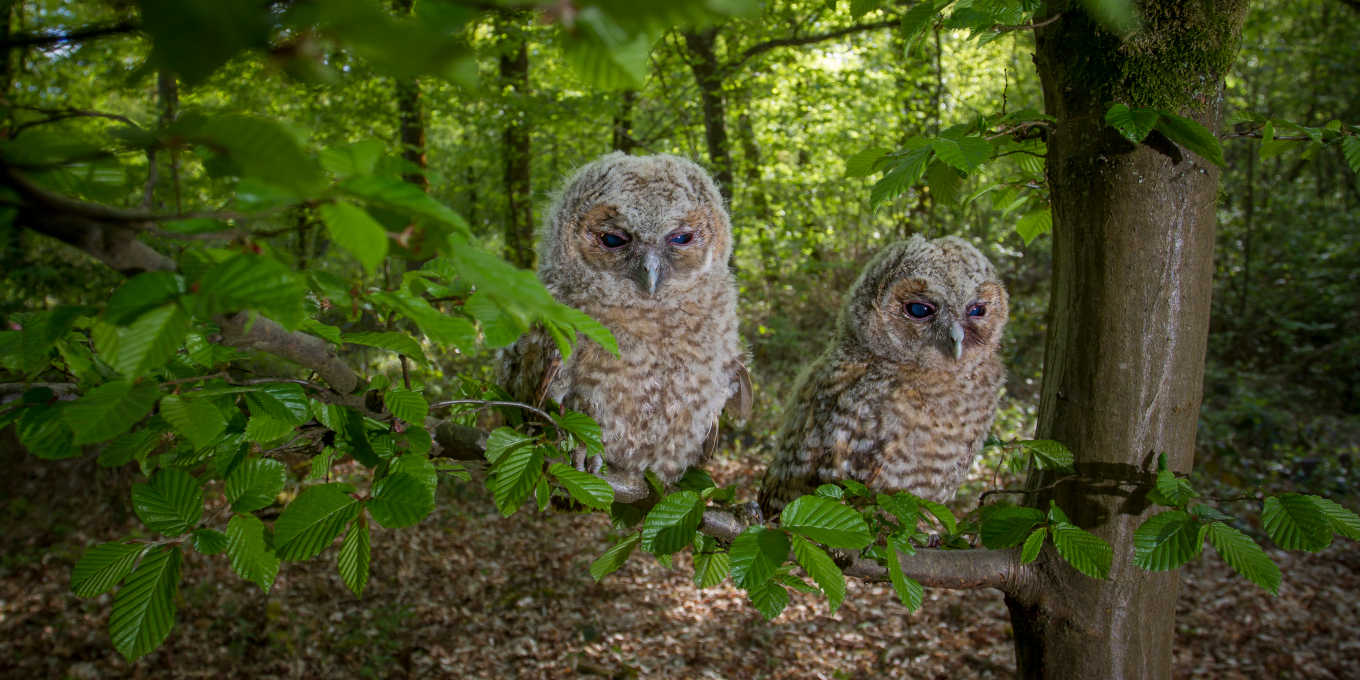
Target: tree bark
[(411, 118), (1133, 249), (623, 124), (708, 74), (519, 228)]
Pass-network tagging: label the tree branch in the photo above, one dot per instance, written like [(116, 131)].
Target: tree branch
[(761, 48), (243, 329), (74, 35)]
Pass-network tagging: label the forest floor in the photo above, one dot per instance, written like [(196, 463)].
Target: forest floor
[(468, 594)]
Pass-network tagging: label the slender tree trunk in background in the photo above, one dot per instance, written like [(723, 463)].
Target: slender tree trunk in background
[(623, 123), (411, 118), (167, 89), (519, 228), (1133, 254), (708, 75), (760, 203)]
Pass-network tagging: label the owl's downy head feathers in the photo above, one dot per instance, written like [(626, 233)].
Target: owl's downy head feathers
[(937, 302), (627, 229)]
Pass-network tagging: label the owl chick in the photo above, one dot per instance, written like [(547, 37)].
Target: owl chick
[(904, 396), (641, 244)]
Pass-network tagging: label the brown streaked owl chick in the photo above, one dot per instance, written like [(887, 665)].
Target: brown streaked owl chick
[(904, 396), (641, 244)]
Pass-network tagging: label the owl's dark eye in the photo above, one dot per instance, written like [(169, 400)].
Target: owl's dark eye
[(977, 310), (613, 241), (919, 310), (680, 239)]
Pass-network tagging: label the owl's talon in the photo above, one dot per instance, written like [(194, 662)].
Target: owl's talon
[(750, 513), (578, 459), (595, 464), (935, 541)]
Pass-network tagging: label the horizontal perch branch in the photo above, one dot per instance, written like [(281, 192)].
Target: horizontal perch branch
[(107, 235)]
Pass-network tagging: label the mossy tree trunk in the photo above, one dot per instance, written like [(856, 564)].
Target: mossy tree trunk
[(1133, 247)]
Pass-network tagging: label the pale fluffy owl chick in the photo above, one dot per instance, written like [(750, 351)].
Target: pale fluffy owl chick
[(641, 244), (904, 396)]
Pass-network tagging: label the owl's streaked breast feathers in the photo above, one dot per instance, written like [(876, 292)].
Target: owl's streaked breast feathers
[(641, 244), (904, 396)]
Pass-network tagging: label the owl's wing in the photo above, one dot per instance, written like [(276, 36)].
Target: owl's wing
[(819, 438), (529, 367), (738, 406)]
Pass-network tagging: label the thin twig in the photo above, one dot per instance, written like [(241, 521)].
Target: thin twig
[(182, 381), (485, 403), (1027, 27)]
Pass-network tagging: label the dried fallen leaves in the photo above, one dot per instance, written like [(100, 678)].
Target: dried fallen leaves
[(467, 594)]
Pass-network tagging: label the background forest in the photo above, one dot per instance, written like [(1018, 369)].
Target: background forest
[(773, 103)]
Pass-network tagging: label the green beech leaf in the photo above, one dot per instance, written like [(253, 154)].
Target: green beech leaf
[(501, 441), (941, 513), (1350, 147), (1245, 556), (352, 159), (420, 467), (199, 421), (264, 429), (44, 432), (103, 566), (710, 568), (251, 282), (832, 492), (354, 556), (588, 489), (394, 193), (584, 429), (126, 447), (822, 569), (614, 558), (517, 473), (859, 8), (1006, 526), (209, 541), (1193, 136), (250, 547), (255, 484), (1033, 545), (150, 341), (353, 229), (1208, 513), (1049, 454), (965, 153), (1033, 225), (391, 340), (109, 410), (696, 479), (756, 554), (865, 163), (1167, 540), (769, 598), (400, 500), (826, 521), (901, 177), (1134, 124), (144, 608), (283, 401), (171, 504), (1343, 521), (908, 589), (1086, 552), (670, 526), (265, 150), (917, 20), (330, 333), (1295, 522), (1173, 489), (409, 406), (140, 294), (312, 521)]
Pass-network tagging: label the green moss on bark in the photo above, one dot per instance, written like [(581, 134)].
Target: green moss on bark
[(1176, 59)]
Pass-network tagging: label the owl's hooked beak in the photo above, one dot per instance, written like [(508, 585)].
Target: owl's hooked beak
[(956, 340), (651, 264)]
